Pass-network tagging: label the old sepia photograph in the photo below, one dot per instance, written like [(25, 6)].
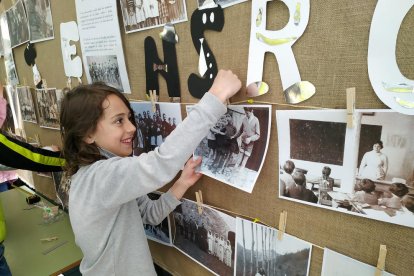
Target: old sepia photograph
[(160, 233), (27, 107), (208, 238), (154, 127), (140, 15), (39, 16), (48, 104), (335, 263), (234, 150), (259, 252), (367, 170), (105, 69), (223, 3), (18, 25)]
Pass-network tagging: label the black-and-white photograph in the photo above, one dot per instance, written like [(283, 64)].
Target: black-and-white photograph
[(222, 3), (18, 26), (48, 104), (9, 65), (62, 185), (140, 15), (39, 16), (105, 69), (234, 150), (367, 170), (209, 238), (27, 107), (154, 127), (335, 263), (259, 252), (162, 232)]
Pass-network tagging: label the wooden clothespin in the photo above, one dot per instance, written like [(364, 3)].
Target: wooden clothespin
[(381, 260), (69, 83), (44, 84), (37, 139), (199, 197), (49, 239), (24, 82), (282, 225), (350, 107), (153, 98)]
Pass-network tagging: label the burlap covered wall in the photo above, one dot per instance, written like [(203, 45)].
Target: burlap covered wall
[(332, 54)]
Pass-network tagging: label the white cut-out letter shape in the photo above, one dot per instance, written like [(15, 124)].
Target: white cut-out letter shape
[(277, 42), (392, 87), (69, 32)]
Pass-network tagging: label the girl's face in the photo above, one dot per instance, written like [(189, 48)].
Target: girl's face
[(114, 131)]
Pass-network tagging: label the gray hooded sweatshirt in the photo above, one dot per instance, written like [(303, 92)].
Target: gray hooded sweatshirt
[(108, 203)]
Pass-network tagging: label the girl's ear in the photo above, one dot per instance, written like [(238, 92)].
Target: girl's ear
[(89, 139)]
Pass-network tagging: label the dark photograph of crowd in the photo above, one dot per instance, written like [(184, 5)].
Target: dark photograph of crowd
[(154, 127), (208, 238), (105, 69)]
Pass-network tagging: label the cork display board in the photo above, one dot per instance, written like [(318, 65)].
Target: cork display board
[(332, 54)]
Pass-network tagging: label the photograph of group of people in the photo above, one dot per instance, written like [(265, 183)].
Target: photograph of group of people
[(39, 15), (154, 126), (234, 150), (208, 238), (105, 69), (367, 170), (48, 103), (26, 103), (162, 232), (144, 14), (260, 252), (18, 26)]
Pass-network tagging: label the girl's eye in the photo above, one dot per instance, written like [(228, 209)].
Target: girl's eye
[(118, 121)]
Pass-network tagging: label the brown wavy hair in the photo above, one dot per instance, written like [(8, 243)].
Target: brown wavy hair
[(81, 110)]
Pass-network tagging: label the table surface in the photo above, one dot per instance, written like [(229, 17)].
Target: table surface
[(25, 228)]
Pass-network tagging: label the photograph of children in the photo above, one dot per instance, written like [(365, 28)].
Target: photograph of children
[(234, 150), (335, 263), (26, 104), (105, 69), (259, 252), (39, 15), (18, 26), (366, 170), (162, 232), (140, 15), (48, 104), (209, 238), (154, 127)]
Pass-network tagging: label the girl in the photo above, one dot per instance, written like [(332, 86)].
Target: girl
[(107, 199)]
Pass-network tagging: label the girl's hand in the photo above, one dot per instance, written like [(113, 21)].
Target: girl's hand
[(187, 179), (225, 85)]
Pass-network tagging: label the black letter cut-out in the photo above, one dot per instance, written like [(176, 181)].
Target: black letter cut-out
[(201, 20), (168, 69)]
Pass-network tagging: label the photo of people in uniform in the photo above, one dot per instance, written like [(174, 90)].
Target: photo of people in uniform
[(105, 69), (48, 104), (145, 14), (17, 22), (160, 233), (154, 127), (234, 150), (367, 170), (26, 103), (260, 252), (39, 15), (207, 238)]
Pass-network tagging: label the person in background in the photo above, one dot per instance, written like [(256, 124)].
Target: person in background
[(299, 191), (285, 178), (374, 164), (366, 194), (108, 201), (398, 190)]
